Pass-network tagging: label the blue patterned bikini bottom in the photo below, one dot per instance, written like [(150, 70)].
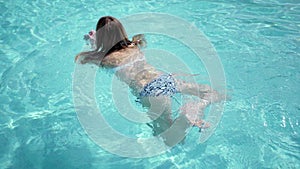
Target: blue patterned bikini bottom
[(163, 85)]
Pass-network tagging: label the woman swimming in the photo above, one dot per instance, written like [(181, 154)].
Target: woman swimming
[(113, 50)]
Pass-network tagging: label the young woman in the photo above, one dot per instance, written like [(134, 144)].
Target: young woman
[(113, 50)]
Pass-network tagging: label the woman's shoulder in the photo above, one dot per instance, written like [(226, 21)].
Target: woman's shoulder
[(122, 56), (126, 52)]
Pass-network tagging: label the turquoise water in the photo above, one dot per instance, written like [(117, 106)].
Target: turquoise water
[(257, 42)]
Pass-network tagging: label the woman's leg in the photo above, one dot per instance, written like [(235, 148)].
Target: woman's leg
[(173, 132), (194, 112), (205, 92), (191, 114), (159, 112)]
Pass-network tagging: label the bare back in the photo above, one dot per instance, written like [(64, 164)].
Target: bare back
[(131, 67)]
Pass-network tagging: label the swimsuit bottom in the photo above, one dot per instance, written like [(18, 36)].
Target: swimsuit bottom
[(163, 85)]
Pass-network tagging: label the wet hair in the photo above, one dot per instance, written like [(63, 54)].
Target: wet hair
[(110, 37)]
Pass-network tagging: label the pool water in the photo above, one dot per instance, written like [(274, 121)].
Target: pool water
[(257, 41)]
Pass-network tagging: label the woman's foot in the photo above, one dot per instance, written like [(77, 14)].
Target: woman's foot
[(193, 112), (201, 124)]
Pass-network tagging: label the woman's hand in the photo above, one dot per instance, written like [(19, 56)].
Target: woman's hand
[(81, 59), (76, 58)]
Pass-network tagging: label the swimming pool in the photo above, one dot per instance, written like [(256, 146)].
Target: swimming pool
[(257, 42)]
